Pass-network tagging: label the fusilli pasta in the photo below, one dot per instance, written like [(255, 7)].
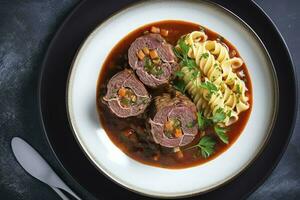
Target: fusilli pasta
[(216, 70)]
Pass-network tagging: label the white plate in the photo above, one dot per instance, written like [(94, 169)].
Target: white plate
[(81, 100)]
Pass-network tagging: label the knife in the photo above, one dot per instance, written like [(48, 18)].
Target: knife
[(36, 166)]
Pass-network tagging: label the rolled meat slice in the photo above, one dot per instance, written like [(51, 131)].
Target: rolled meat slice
[(126, 96), (153, 59), (174, 123)]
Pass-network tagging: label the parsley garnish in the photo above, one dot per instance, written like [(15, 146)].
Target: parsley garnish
[(212, 88), (179, 85), (177, 53), (182, 54), (206, 145), (179, 73), (183, 46), (190, 63), (229, 113), (218, 116), (238, 89), (205, 55), (202, 121), (195, 74), (221, 132)]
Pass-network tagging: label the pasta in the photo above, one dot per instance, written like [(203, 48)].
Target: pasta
[(218, 86)]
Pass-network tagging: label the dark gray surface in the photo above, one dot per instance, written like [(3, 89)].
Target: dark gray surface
[(26, 27)]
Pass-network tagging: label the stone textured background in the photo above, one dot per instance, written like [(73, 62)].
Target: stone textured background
[(26, 28)]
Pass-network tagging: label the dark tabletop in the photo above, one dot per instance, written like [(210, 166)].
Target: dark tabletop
[(26, 28)]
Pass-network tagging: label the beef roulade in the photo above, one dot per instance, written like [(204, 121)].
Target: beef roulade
[(174, 123), (126, 96), (153, 59)]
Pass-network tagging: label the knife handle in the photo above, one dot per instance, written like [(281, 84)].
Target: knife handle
[(64, 194), (60, 193)]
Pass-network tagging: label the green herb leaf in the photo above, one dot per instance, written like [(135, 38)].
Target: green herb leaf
[(179, 85), (238, 89), (219, 116), (206, 146), (177, 53), (183, 46), (229, 113), (182, 54), (160, 72), (188, 62), (221, 132), (179, 73), (202, 121), (151, 68), (125, 101), (195, 74), (156, 71), (205, 55), (209, 86), (148, 65), (177, 123), (191, 63)]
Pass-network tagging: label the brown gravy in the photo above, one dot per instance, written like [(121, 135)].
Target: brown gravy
[(116, 127)]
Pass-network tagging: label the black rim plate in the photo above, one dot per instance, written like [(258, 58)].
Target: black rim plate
[(52, 92)]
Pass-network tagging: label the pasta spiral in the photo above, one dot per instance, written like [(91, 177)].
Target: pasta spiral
[(213, 61)]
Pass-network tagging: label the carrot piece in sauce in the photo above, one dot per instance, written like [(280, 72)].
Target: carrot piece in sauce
[(178, 132), (155, 29), (179, 154), (122, 92), (164, 32)]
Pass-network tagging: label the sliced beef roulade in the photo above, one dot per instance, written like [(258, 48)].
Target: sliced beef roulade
[(126, 96), (174, 123), (153, 59)]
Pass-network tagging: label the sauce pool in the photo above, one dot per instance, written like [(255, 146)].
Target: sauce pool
[(117, 128)]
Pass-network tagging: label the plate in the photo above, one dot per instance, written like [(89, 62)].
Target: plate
[(259, 66), (160, 182)]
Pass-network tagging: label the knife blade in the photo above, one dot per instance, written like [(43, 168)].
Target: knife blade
[(36, 165)]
